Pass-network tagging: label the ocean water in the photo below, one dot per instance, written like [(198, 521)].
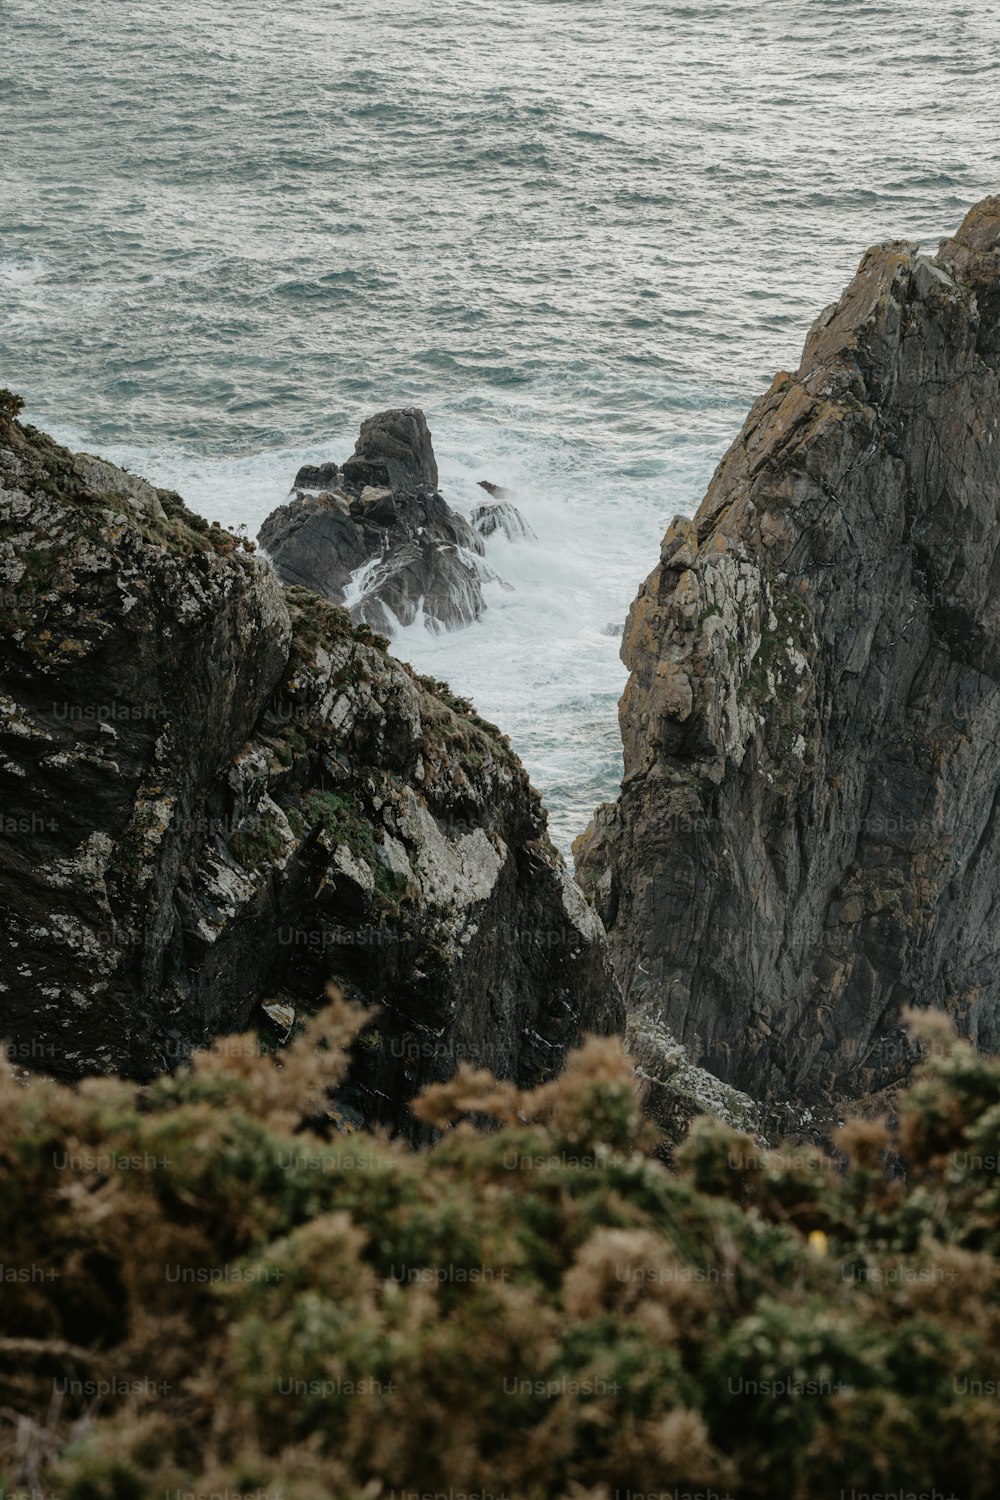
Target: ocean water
[(582, 236)]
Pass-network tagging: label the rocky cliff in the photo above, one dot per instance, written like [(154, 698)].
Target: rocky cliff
[(808, 833), (216, 791)]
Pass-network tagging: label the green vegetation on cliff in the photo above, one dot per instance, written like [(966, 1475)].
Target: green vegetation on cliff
[(208, 1287)]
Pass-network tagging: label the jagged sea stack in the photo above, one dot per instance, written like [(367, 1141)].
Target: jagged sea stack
[(378, 538), (808, 834)]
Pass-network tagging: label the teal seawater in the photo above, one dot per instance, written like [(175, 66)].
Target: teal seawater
[(582, 236)]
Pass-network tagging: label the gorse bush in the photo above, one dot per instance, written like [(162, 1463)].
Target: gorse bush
[(207, 1287)]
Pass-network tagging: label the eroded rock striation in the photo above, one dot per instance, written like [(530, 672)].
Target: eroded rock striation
[(216, 791), (378, 538), (808, 834)]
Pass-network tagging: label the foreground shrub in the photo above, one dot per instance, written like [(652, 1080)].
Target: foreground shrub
[(208, 1288)]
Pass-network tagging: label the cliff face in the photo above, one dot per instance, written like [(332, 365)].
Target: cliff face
[(216, 791), (808, 833)]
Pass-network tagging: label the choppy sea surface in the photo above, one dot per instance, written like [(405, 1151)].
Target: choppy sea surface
[(582, 236)]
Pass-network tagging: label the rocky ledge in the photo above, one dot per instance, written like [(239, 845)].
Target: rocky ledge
[(380, 539), (807, 838), (217, 792)]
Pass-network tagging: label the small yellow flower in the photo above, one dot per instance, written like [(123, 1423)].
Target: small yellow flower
[(818, 1242)]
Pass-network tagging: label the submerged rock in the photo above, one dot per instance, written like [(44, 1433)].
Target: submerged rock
[(421, 559), (806, 839), (218, 792), (504, 518)]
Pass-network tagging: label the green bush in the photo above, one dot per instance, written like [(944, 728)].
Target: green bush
[(11, 405), (208, 1287), (258, 844)]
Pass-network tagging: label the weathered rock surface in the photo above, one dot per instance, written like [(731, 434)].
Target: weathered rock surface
[(808, 833), (317, 477), (421, 559), (675, 1092), (501, 518), (394, 450), (215, 791)]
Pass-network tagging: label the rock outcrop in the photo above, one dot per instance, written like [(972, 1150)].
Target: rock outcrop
[(389, 559), (379, 539), (808, 834), (217, 792), (320, 477), (394, 450)]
